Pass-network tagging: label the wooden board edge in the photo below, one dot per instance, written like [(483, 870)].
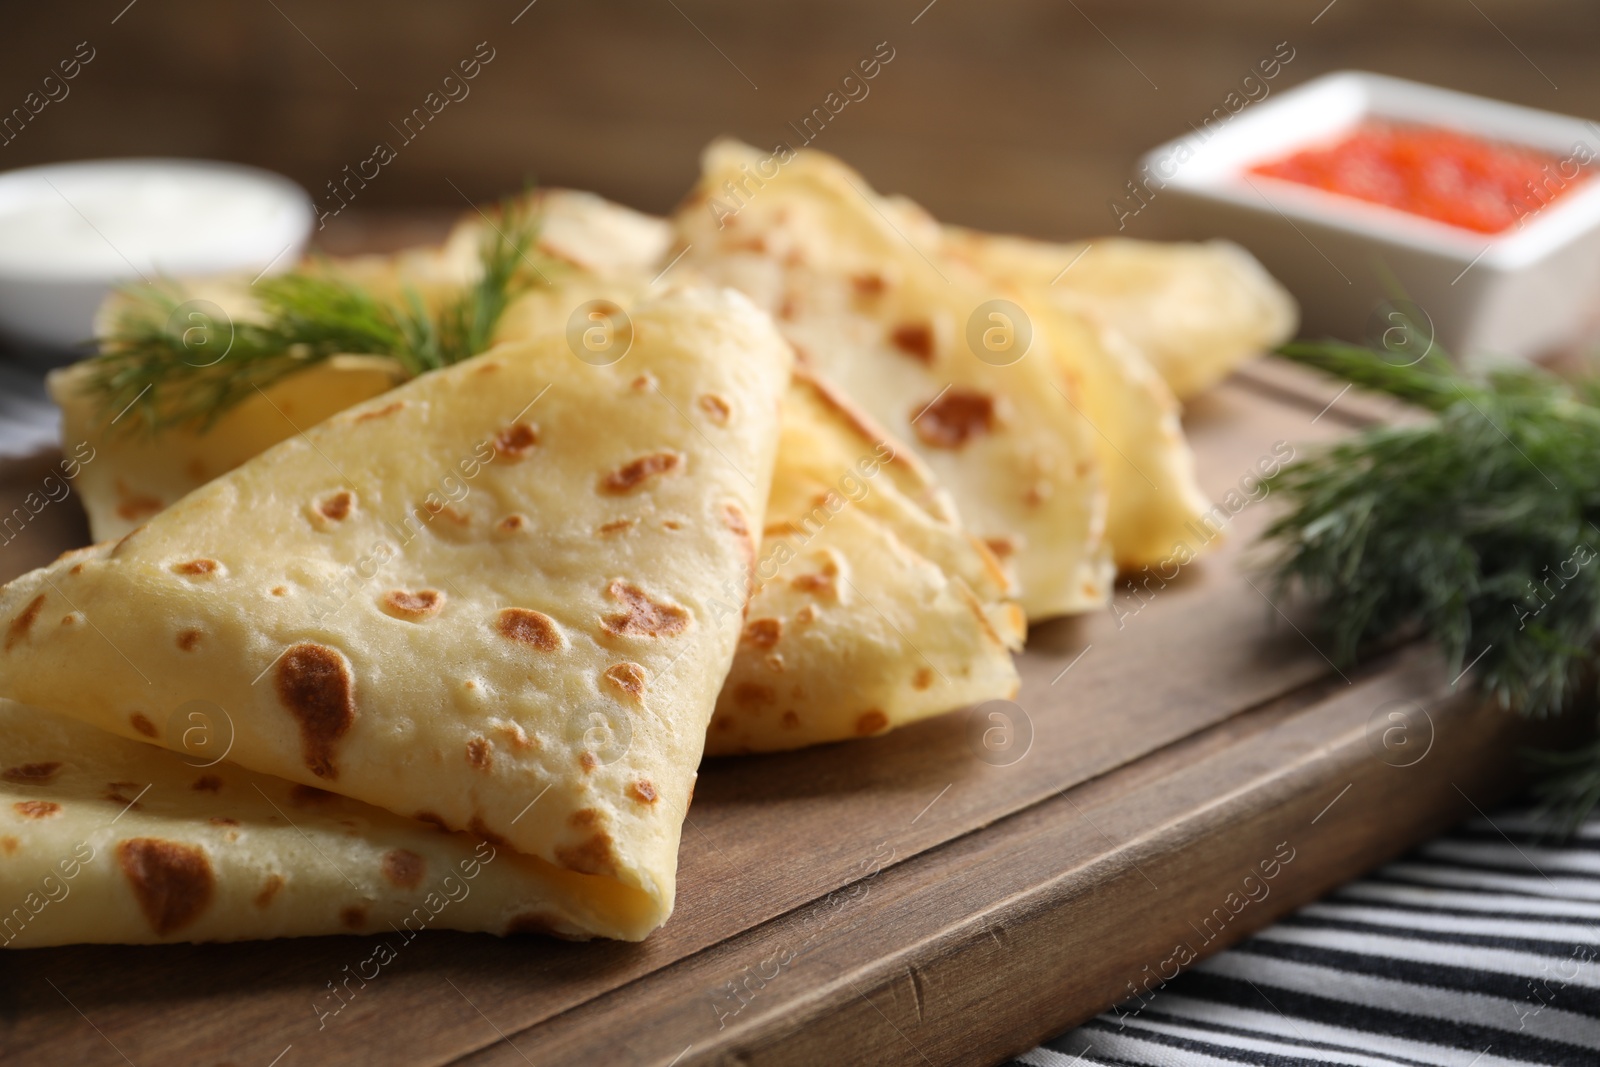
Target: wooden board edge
[(958, 974)]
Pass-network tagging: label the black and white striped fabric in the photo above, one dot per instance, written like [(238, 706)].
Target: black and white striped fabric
[(1479, 949)]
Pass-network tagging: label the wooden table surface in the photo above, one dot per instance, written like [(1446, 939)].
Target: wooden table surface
[(908, 899)]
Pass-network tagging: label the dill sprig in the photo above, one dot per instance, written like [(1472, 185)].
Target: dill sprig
[(170, 363), (1478, 526)]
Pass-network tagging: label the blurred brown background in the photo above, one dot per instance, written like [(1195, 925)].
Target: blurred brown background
[(1021, 114)]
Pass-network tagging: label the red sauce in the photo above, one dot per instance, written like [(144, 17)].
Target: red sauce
[(1455, 178)]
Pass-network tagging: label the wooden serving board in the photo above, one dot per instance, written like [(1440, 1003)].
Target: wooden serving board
[(918, 898)]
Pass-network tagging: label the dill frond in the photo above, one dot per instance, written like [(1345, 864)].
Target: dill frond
[(1479, 526), (169, 370)]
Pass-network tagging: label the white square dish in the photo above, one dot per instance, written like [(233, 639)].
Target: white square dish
[(1521, 293)]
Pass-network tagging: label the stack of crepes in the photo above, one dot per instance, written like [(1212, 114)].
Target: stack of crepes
[(365, 652)]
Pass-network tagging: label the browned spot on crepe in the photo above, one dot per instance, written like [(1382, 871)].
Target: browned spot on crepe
[(142, 724), (915, 339), (512, 523), (480, 753), (404, 868), (922, 679), (24, 621), (269, 889), (515, 734), (336, 507), (819, 584), (196, 568), (643, 791), (207, 783), (630, 476), (188, 639), (403, 604), (1000, 546), (279, 590), (314, 685), (790, 720), (871, 722), (517, 440), (642, 616), (628, 677), (529, 627), (869, 284), (591, 856), (36, 809), (749, 693), (378, 413), (763, 632), (587, 761), (716, 408), (133, 506), (172, 882), (616, 524), (955, 418), (31, 773), (114, 793), (354, 917)]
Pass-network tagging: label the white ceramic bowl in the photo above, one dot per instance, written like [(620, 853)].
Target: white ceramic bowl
[(1527, 291), (69, 232)]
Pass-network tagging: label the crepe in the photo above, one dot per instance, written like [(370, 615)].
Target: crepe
[(872, 313), (131, 476), (874, 607), (926, 628), (1153, 494), (1197, 311), (103, 839), (481, 600), (134, 475)]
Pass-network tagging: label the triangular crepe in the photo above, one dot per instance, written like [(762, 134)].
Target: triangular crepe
[(133, 474), (889, 326), (873, 608), (1149, 468), (107, 840), (369, 604), (908, 634), (1197, 311)]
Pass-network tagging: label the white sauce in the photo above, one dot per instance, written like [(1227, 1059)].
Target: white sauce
[(119, 219)]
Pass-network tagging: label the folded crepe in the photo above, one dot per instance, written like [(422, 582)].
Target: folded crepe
[(103, 840), (873, 606), (1029, 439), (485, 600), (134, 475), (1196, 311), (921, 625)]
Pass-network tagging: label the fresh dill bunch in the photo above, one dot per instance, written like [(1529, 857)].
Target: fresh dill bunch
[(1478, 526), (181, 363)]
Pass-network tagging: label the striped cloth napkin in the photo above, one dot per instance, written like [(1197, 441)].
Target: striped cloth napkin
[(1479, 949)]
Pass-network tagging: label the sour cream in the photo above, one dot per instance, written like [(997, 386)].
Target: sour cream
[(70, 232)]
